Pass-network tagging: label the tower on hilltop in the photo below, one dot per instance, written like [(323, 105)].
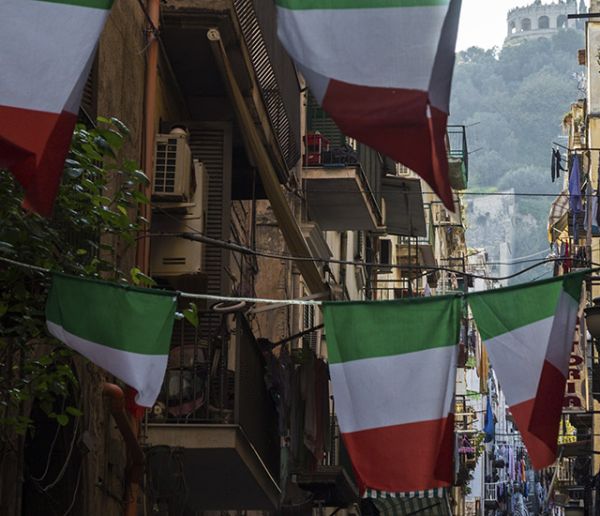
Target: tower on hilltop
[(538, 20)]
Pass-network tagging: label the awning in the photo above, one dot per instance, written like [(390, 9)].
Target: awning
[(404, 210), (422, 503), (558, 217)]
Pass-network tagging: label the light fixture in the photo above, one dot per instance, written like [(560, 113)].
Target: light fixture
[(592, 318)]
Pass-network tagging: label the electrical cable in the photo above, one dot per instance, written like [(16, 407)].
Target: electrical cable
[(70, 508)]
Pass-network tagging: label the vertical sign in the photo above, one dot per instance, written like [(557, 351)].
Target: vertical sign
[(576, 399)]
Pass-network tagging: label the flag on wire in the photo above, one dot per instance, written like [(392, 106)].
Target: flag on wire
[(528, 331), (125, 330), (393, 371), (382, 69), (48, 47)]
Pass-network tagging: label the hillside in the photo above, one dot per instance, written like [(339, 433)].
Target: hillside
[(513, 100)]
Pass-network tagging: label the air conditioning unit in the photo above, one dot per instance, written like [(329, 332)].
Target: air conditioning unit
[(172, 167), (173, 255)]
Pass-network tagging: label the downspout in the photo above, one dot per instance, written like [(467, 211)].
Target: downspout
[(135, 455), (153, 17)]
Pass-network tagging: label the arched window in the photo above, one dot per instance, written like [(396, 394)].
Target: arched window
[(561, 22), (543, 22), (525, 24), (512, 27)]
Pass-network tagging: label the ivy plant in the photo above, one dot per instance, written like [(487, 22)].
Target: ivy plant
[(94, 225)]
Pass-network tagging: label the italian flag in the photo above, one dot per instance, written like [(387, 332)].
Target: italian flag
[(393, 371), (382, 69), (528, 332), (124, 330), (48, 47)]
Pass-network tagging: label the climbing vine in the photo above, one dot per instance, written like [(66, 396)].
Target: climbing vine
[(94, 226)]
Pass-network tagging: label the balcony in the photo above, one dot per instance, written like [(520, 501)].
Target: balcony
[(338, 193), (458, 157), (262, 68), (213, 432)]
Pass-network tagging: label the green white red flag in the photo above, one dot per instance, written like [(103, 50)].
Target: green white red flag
[(125, 330), (528, 331), (382, 69), (48, 48), (393, 372)]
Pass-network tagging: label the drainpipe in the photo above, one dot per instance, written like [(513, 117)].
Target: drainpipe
[(153, 17), (135, 455)]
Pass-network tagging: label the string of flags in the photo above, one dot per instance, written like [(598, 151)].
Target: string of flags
[(392, 364)]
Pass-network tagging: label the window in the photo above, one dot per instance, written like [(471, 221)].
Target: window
[(561, 22)]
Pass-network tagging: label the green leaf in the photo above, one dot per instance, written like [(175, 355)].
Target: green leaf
[(73, 411), (62, 419)]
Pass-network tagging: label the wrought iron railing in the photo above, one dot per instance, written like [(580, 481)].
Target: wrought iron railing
[(457, 145)]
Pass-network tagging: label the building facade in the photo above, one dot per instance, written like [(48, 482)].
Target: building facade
[(255, 193), (538, 20)]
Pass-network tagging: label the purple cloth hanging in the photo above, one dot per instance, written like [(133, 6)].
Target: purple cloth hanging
[(575, 204)]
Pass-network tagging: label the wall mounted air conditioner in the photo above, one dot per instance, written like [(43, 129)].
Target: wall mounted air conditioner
[(173, 255), (172, 167)]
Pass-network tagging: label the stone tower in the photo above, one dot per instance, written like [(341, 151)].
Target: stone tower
[(541, 20)]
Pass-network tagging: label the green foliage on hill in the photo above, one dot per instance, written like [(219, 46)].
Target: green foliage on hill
[(517, 97)]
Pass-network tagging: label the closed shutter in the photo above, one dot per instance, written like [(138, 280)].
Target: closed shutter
[(211, 144), (90, 96)]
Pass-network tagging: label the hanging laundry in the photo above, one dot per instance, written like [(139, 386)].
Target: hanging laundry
[(597, 197), (566, 258), (575, 202)]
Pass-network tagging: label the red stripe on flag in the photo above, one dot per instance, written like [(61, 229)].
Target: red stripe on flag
[(34, 146), (547, 410), (395, 123), (411, 457), (538, 419)]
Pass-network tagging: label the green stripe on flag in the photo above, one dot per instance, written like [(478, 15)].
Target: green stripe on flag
[(572, 284), (96, 4), (357, 4), (363, 330), (500, 311), (124, 318)]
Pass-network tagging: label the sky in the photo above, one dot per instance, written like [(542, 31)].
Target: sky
[(483, 22)]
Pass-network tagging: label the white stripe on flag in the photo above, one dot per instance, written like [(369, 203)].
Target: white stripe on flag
[(386, 391), (518, 357), (365, 46), (32, 35), (145, 373)]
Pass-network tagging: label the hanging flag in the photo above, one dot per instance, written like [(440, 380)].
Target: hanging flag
[(125, 330), (393, 371), (528, 331), (382, 69), (48, 47)]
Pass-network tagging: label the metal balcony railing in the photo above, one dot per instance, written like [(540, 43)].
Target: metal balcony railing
[(491, 492), (457, 145)]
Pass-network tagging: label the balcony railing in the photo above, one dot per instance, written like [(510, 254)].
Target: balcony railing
[(491, 492), (458, 156)]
